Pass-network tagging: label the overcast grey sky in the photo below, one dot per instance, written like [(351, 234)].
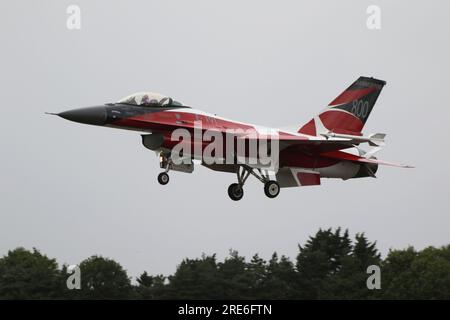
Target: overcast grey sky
[(73, 190)]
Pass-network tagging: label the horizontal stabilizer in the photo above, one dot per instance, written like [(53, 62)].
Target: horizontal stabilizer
[(377, 139)]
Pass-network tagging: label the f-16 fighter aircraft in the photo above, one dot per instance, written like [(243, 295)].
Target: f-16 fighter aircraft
[(327, 146)]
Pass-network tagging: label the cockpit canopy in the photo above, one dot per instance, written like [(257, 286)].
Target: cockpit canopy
[(150, 99)]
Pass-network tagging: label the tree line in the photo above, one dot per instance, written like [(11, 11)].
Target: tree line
[(330, 265)]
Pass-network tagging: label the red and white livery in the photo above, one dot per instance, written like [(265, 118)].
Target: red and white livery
[(327, 146)]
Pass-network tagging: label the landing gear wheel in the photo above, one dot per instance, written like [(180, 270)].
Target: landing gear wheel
[(235, 192), (271, 189), (163, 178)]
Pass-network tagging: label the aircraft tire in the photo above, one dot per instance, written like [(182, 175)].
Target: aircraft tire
[(163, 178), (235, 192), (271, 189)]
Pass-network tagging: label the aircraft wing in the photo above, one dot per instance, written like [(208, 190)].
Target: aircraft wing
[(324, 142), (351, 157), (307, 143)]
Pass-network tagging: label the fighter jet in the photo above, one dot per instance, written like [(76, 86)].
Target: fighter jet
[(327, 146)]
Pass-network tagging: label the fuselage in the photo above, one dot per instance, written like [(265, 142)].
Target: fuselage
[(162, 121)]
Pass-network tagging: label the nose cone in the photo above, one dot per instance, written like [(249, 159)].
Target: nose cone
[(91, 115)]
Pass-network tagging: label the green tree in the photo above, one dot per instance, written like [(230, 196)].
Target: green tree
[(350, 281), (282, 282), (236, 281), (195, 279), (328, 266), (365, 252), (102, 278), (398, 262), (319, 260), (151, 287), (257, 272), (29, 275), (407, 274)]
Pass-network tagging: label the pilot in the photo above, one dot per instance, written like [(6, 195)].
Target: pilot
[(145, 100)]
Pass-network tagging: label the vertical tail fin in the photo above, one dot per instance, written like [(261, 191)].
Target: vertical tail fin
[(349, 112)]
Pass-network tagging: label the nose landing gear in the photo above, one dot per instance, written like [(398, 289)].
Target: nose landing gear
[(164, 163), (163, 178)]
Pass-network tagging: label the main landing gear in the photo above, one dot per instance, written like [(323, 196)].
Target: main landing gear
[(164, 163), (236, 190)]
